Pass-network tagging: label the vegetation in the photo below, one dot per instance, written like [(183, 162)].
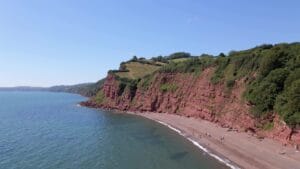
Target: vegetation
[(168, 87), (136, 70), (127, 84), (271, 72), (86, 89), (174, 56), (268, 126), (191, 65), (100, 97), (145, 82)]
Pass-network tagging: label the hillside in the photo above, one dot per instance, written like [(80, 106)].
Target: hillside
[(23, 88), (85, 89), (255, 90)]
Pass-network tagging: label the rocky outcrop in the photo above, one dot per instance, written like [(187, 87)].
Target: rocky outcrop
[(192, 96)]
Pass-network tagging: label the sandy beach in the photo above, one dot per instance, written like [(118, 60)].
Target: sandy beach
[(239, 149)]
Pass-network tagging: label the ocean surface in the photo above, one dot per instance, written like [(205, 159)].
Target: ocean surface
[(44, 130)]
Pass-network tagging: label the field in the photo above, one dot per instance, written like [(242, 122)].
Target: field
[(137, 70)]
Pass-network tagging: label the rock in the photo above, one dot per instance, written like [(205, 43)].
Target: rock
[(296, 147), (282, 153), (194, 97)]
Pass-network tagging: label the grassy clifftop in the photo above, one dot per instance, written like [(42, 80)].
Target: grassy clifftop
[(135, 69)]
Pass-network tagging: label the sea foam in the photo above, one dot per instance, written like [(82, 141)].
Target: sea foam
[(222, 160)]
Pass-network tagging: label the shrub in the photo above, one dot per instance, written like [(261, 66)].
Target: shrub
[(145, 82), (230, 83), (287, 104), (130, 84), (191, 65), (178, 55), (100, 97), (268, 126), (168, 87)]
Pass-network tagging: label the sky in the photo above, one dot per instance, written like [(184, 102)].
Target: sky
[(54, 42)]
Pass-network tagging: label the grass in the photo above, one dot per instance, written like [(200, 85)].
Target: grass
[(137, 70), (146, 82), (168, 87), (179, 60), (100, 97), (268, 126)]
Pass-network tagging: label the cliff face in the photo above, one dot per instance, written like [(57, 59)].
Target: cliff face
[(193, 96)]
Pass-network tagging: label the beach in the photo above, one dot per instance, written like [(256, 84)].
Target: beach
[(233, 148)]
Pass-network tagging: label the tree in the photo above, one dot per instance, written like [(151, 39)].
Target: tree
[(134, 58)]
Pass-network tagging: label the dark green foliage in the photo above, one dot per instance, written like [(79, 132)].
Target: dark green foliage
[(160, 59), (271, 72), (121, 88), (123, 67), (166, 59), (134, 58), (230, 83), (265, 46), (192, 65), (262, 96), (288, 104), (142, 60), (236, 65), (293, 76), (277, 87), (178, 55), (222, 55), (145, 82), (221, 63), (129, 84), (275, 59)]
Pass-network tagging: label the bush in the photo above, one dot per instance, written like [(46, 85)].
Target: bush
[(287, 104), (221, 64), (268, 126), (145, 82), (230, 83), (178, 55), (271, 71), (263, 94), (100, 97), (168, 87), (192, 65), (130, 84)]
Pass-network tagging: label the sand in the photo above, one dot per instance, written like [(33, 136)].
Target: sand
[(237, 149)]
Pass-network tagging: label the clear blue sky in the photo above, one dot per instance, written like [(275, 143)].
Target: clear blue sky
[(51, 42)]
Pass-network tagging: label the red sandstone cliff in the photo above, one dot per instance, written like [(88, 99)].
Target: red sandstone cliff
[(195, 96)]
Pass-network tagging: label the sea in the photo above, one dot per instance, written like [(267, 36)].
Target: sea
[(47, 130)]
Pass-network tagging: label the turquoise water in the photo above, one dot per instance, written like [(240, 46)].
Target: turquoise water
[(42, 130)]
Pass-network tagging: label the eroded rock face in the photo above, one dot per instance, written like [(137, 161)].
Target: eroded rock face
[(193, 96), (196, 96), (283, 133)]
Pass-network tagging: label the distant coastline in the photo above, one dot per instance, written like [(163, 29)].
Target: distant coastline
[(84, 89), (24, 88)]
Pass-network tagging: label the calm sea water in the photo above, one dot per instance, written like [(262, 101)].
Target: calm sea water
[(42, 130)]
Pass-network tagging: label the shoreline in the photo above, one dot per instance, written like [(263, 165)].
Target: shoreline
[(223, 160), (233, 149)]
